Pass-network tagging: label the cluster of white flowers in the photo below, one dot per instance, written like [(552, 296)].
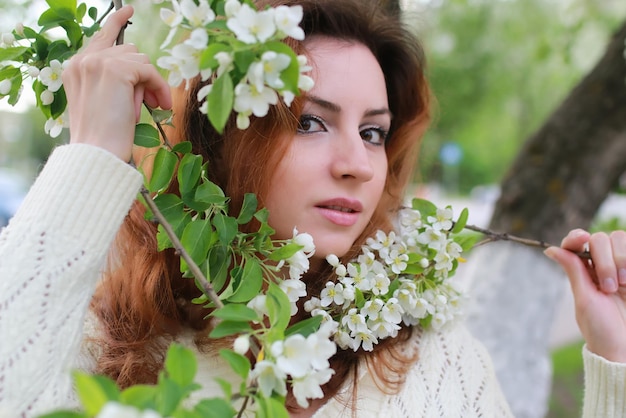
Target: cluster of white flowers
[(49, 76), (303, 361), (398, 278), (262, 84)]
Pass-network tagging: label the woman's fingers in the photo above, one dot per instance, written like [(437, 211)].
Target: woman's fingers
[(108, 33), (618, 241), (602, 254)]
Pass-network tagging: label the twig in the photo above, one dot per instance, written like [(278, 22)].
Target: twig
[(495, 236), (207, 288), (120, 36)]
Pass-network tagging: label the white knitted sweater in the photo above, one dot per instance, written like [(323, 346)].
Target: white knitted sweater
[(51, 256)]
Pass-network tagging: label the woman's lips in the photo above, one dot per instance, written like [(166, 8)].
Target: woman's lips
[(342, 212)]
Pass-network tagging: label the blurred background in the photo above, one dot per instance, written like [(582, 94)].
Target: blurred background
[(498, 68)]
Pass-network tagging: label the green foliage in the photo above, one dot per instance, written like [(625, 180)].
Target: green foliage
[(498, 69)]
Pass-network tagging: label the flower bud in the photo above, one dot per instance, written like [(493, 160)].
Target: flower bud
[(8, 38), (424, 262), (19, 28), (33, 71), (5, 87), (46, 97), (241, 344), (332, 259)]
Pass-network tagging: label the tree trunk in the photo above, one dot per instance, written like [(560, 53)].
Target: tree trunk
[(558, 181)]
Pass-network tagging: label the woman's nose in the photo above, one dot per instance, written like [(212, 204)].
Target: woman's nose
[(352, 159)]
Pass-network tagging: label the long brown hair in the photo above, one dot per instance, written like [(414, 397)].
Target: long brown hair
[(143, 302)]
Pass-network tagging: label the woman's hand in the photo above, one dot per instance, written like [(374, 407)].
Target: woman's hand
[(106, 86), (599, 289)]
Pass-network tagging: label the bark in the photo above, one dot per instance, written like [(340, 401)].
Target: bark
[(558, 181)]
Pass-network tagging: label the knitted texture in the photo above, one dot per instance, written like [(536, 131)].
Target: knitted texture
[(51, 256)]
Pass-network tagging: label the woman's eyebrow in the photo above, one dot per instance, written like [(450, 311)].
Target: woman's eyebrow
[(333, 107)]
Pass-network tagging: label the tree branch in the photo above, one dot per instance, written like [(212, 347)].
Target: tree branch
[(494, 236)]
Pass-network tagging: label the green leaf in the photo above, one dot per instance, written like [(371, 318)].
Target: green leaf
[(184, 147), (248, 208), (93, 13), (289, 75), (207, 59), (236, 312), (12, 53), (278, 307), (219, 262), (243, 59), (272, 407), (169, 396), (141, 396), (209, 192), (13, 74), (64, 414), (262, 215), (58, 50), (425, 207), (284, 252), (305, 327), (180, 364), (189, 171), (226, 328), (215, 408), (250, 284), (74, 33), (95, 391), (461, 222), (54, 17), (220, 101), (240, 364), (226, 227), (196, 239), (59, 104), (80, 12), (62, 4), (163, 170), (146, 136), (161, 116)]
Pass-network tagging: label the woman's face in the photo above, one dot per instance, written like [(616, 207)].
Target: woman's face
[(334, 172)]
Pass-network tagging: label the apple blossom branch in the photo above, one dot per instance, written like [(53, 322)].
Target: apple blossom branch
[(492, 236)]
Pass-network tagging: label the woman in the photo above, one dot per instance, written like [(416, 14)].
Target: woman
[(335, 165)]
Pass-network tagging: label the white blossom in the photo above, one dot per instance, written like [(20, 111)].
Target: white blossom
[(443, 219), (288, 20), (5, 87), (51, 76), (269, 378), (197, 14), (250, 99), (8, 39), (116, 410), (251, 26), (293, 355), (53, 127), (308, 387), (33, 71), (241, 344), (46, 97)]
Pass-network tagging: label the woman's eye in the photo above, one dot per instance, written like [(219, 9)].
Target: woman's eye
[(374, 135), (310, 124)]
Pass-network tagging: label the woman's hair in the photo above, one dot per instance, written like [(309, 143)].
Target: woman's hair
[(143, 302)]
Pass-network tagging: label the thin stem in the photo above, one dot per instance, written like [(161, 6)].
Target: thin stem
[(495, 236), (207, 287), (106, 13)]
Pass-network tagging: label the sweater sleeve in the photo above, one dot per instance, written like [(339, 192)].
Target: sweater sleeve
[(605, 387), (51, 255)]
